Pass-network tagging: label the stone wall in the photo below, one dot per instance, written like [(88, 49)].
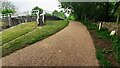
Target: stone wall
[(15, 21), (21, 19)]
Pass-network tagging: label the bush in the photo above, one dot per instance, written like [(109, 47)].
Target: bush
[(89, 25), (116, 47)]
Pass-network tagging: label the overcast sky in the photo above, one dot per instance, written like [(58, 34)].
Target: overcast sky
[(27, 5)]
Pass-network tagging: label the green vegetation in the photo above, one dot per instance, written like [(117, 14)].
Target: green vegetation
[(50, 28), (7, 7), (101, 57), (71, 17), (60, 14), (37, 8), (101, 52), (99, 11), (116, 47), (17, 31), (89, 25), (6, 11), (104, 33)]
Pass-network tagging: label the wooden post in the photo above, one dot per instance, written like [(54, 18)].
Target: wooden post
[(100, 25)]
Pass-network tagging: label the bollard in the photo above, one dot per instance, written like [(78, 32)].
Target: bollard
[(100, 25)]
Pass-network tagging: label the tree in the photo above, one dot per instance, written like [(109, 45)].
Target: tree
[(71, 17), (48, 14), (102, 11), (7, 7), (79, 9), (37, 8), (118, 17), (60, 14), (55, 13)]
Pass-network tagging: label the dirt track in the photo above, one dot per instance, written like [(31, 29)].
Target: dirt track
[(72, 46)]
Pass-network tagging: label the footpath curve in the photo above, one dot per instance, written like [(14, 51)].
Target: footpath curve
[(72, 46)]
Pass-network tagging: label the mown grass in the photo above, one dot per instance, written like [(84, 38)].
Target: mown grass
[(50, 28), (104, 34), (17, 31)]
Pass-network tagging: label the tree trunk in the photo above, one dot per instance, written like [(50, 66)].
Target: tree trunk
[(117, 22), (117, 5), (106, 12)]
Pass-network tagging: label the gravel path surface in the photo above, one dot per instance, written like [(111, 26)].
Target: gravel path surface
[(72, 46)]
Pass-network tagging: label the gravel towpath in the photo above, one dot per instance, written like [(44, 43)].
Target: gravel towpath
[(72, 46)]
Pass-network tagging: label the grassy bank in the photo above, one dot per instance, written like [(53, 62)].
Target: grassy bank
[(38, 34), (17, 31), (107, 47)]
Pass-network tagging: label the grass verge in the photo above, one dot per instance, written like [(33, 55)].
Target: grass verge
[(107, 47), (17, 31), (38, 34)]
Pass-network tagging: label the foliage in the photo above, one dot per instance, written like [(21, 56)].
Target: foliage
[(89, 25), (55, 13), (71, 17), (102, 11), (104, 34), (116, 47), (50, 28), (37, 8), (7, 7), (48, 14), (6, 11), (101, 57), (17, 31), (60, 14)]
